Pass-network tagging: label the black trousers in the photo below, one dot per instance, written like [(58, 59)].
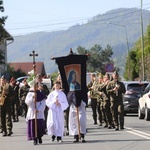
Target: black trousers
[(94, 108)]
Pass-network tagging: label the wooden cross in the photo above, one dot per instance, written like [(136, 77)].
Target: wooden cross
[(33, 55)]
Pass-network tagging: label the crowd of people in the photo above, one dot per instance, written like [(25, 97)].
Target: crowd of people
[(46, 111), (43, 109), (106, 100)]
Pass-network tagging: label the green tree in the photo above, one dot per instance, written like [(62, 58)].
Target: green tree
[(12, 73), (134, 66), (98, 57), (2, 23)]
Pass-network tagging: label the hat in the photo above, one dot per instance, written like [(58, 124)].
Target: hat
[(107, 75), (3, 77), (115, 73), (100, 75), (93, 75), (38, 76), (13, 78)]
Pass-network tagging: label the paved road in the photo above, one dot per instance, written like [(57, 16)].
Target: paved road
[(136, 136)]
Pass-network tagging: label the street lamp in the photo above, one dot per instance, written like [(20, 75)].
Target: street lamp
[(127, 43)]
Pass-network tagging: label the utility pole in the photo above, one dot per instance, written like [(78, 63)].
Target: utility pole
[(142, 44)]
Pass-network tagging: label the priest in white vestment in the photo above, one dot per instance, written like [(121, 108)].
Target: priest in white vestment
[(57, 103), (77, 116)]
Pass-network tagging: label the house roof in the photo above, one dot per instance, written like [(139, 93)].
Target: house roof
[(6, 35), (28, 66)]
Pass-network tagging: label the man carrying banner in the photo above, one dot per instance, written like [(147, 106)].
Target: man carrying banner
[(77, 116), (73, 72)]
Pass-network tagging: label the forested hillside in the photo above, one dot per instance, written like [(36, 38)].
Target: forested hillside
[(109, 28)]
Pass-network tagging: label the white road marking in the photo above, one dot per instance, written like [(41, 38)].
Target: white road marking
[(138, 133), (132, 131)]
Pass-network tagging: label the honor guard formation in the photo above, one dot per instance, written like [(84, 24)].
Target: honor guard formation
[(51, 111)]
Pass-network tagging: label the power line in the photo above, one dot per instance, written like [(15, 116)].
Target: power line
[(61, 23)]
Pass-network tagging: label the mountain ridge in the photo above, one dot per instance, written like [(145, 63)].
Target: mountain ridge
[(101, 30)]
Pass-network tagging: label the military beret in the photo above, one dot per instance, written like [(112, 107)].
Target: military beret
[(13, 78), (38, 76), (93, 75), (100, 75), (115, 73), (107, 75), (3, 77)]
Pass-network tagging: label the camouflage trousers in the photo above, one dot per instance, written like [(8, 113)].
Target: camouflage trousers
[(0, 120), (6, 121)]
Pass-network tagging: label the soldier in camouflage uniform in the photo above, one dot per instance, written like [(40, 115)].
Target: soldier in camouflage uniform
[(92, 88), (15, 100), (0, 122), (23, 91), (100, 102), (106, 103), (6, 122), (116, 89)]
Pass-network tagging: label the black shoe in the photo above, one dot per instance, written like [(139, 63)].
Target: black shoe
[(14, 120), (100, 124), (109, 127), (4, 134), (105, 126), (95, 123), (76, 137), (58, 138), (76, 141), (35, 141), (59, 141), (117, 128), (53, 138), (67, 133), (83, 141), (40, 140), (10, 133), (1, 131), (121, 128)]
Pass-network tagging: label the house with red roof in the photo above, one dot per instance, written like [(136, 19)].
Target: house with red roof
[(28, 67)]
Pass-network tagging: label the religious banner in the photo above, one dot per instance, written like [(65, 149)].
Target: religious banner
[(72, 69)]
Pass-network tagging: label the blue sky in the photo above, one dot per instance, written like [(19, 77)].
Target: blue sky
[(27, 16)]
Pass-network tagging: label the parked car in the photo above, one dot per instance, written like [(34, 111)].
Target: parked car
[(20, 79), (46, 81), (134, 90), (144, 104)]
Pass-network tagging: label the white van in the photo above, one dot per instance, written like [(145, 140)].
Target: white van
[(47, 82)]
